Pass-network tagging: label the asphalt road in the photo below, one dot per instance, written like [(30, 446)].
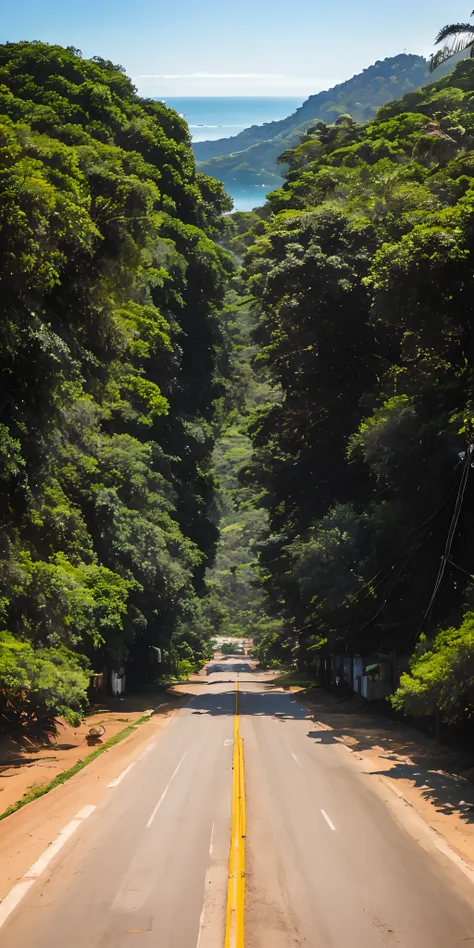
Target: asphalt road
[(330, 862)]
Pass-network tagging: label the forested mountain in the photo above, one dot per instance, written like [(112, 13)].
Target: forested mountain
[(252, 156), (318, 403), (110, 284), (361, 275)]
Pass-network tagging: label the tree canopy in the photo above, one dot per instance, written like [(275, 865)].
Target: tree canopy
[(282, 453), (360, 273), (111, 280), (253, 157)]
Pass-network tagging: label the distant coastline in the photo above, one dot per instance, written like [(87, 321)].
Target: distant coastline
[(251, 159), (213, 117)]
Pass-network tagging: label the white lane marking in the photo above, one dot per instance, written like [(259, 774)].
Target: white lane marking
[(14, 896), (115, 783), (40, 865), (165, 791), (296, 759), (201, 926), (85, 812), (202, 919), (228, 740), (16, 893), (445, 848), (211, 845), (149, 747), (441, 844), (392, 787), (328, 821)]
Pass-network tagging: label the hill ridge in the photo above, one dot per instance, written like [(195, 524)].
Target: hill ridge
[(251, 156)]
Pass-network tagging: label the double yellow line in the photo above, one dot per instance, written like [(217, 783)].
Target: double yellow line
[(234, 928)]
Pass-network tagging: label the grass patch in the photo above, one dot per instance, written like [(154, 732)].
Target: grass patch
[(293, 677), (161, 686), (39, 791)]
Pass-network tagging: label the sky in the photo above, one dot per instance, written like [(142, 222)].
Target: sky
[(245, 47)]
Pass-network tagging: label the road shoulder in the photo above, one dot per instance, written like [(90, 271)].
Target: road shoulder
[(422, 775), (26, 834)]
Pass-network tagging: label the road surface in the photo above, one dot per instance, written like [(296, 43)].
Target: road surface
[(330, 862)]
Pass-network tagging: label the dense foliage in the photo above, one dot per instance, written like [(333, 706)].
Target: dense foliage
[(235, 603), (252, 157), (319, 404), (361, 276), (109, 346)]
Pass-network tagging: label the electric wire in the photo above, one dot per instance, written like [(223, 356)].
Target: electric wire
[(449, 539)]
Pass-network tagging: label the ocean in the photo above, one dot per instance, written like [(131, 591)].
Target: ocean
[(212, 117), (245, 199)]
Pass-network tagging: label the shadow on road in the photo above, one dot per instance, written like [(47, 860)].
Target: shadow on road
[(323, 737), (449, 793), (268, 702), (435, 770)]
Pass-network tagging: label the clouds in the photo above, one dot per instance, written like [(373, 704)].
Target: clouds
[(203, 83)]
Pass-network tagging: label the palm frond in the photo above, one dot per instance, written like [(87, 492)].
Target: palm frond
[(463, 31), (440, 57)]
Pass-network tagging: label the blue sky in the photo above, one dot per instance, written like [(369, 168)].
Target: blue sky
[(247, 47)]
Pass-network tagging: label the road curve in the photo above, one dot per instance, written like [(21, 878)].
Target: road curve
[(330, 862)]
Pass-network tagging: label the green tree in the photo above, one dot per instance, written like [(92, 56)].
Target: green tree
[(38, 684), (109, 352), (360, 279), (441, 676)]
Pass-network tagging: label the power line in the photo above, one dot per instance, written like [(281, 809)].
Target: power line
[(456, 566), (368, 587), (392, 587), (450, 537), (423, 536), (420, 541)]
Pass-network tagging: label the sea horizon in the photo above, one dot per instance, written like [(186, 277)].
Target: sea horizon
[(212, 117)]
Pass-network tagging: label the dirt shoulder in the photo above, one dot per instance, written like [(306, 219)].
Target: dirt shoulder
[(26, 834), (26, 765), (433, 779)]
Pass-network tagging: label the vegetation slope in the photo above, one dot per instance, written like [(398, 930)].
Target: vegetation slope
[(253, 156), (110, 351), (360, 273), (329, 385)]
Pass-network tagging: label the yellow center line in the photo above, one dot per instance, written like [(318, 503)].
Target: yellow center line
[(234, 929)]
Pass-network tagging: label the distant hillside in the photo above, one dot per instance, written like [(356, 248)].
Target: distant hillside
[(250, 157)]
